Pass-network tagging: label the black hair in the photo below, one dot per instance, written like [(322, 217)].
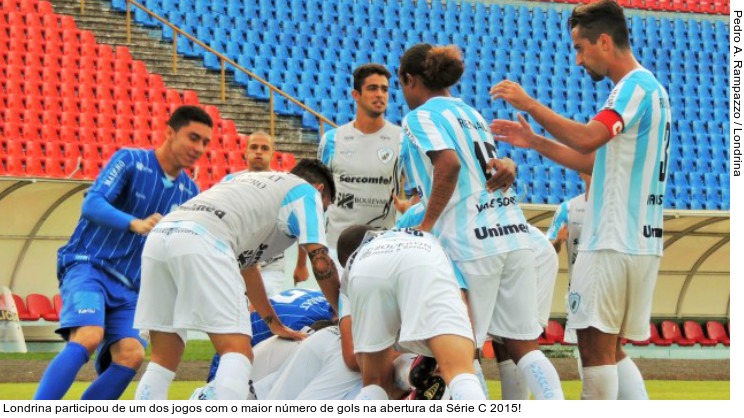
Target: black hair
[(363, 71), (349, 241), (186, 114), (314, 171), (322, 323), (438, 66), (604, 16)]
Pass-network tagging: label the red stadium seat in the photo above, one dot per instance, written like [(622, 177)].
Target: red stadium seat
[(554, 332), (717, 332), (694, 332), (41, 305), (656, 338), (57, 302), (53, 167), (190, 98), (23, 313), (670, 331)]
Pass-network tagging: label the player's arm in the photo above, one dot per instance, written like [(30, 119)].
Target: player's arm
[(584, 138), (256, 292), (347, 344), (300, 272), (109, 185), (558, 231), (444, 180), (520, 134), (325, 272), (504, 173)]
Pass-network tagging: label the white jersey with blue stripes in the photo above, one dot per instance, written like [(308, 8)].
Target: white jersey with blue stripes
[(365, 170), (475, 223), (258, 215), (570, 214), (624, 211)]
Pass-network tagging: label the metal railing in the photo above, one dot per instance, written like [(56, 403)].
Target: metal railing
[(223, 61)]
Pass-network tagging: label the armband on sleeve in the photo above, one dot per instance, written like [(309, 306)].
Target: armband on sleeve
[(611, 120)]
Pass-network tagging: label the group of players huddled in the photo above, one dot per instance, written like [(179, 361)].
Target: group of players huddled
[(402, 306)]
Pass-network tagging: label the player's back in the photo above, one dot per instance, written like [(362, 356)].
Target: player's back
[(625, 204), (475, 222), (296, 308), (254, 213)]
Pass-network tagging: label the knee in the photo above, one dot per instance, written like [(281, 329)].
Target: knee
[(88, 337), (128, 352)]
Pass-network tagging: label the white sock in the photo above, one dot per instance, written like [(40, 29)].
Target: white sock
[(402, 366), (540, 375), (481, 378), (372, 393), (600, 382), (155, 383), (513, 386), (630, 382), (466, 386), (231, 379)]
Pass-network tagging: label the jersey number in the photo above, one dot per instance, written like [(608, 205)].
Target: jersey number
[(291, 297), (664, 163), (483, 149)]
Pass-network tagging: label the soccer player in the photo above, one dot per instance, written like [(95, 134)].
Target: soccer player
[(567, 222), (363, 156), (482, 229), (99, 268), (625, 148), (402, 290), (202, 258)]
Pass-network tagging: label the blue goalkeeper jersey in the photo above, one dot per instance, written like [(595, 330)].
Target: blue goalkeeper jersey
[(135, 185)]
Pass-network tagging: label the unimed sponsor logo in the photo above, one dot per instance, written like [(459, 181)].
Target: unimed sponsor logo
[(651, 232), (499, 230)]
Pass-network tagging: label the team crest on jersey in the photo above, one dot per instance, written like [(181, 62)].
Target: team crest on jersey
[(345, 201), (385, 154), (574, 300)]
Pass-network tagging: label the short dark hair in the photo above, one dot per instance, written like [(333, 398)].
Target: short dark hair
[(604, 16), (363, 71), (349, 241), (187, 114), (438, 66), (314, 171)]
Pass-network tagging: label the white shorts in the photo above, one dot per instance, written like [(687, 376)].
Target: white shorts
[(273, 281), (316, 371), (503, 296), (612, 292), (189, 283), (547, 272), (409, 296), (270, 354)]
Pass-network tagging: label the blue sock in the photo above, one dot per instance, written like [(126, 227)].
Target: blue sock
[(61, 372), (110, 384)]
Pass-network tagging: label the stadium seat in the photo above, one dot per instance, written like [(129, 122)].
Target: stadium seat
[(694, 332), (41, 305), (670, 331), (23, 313), (656, 339), (554, 332), (717, 332)]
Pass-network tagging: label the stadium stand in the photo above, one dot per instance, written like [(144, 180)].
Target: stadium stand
[(656, 339), (687, 54), (683, 6), (41, 305), (23, 313)]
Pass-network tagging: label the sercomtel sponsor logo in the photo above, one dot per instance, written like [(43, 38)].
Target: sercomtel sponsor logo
[(366, 180)]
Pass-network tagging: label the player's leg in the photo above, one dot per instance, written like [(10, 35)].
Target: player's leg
[(302, 367), (516, 322), (455, 359), (233, 374), (122, 351), (166, 352), (513, 385), (630, 381), (82, 321), (377, 375)]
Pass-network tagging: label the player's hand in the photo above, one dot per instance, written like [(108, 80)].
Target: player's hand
[(300, 274), (513, 94), (562, 235), (518, 134), (402, 205), (282, 331), (503, 173), (143, 226)]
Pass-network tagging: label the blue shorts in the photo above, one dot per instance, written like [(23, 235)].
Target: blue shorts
[(92, 297)]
